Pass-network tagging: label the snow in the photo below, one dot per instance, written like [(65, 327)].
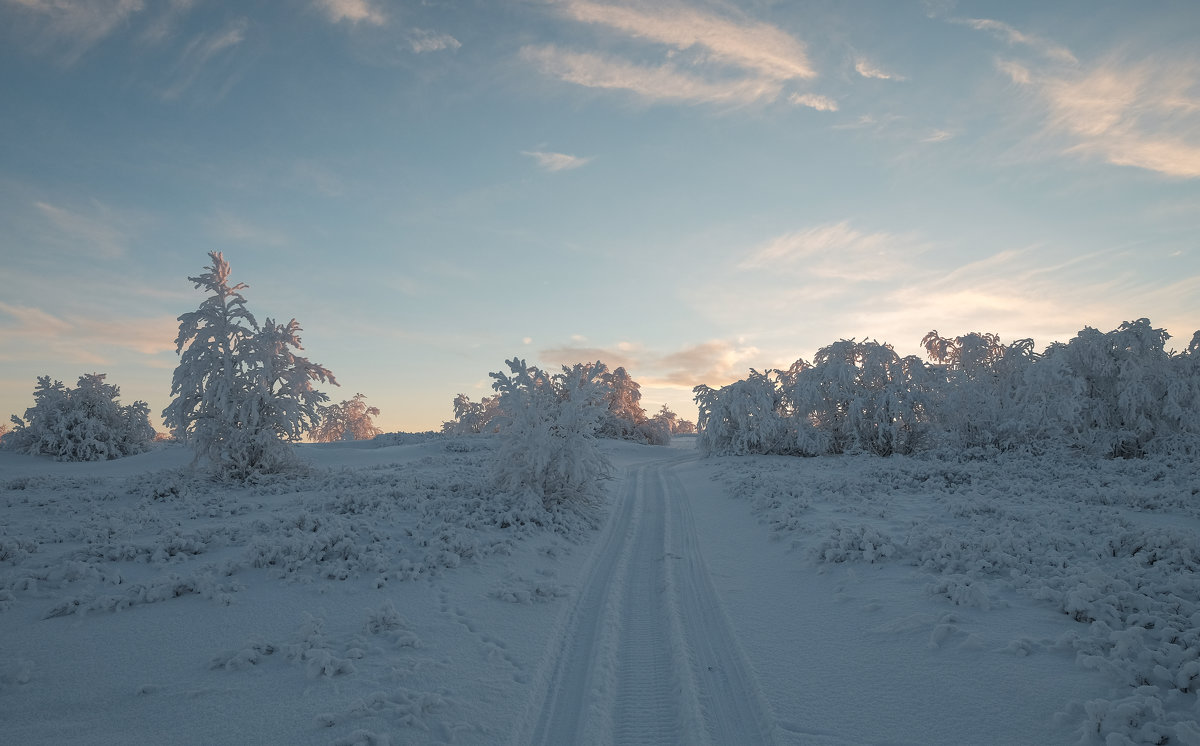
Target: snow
[(386, 596)]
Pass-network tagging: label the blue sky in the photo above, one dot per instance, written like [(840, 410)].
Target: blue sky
[(687, 189)]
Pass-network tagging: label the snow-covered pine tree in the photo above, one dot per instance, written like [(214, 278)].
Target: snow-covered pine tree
[(279, 403), (208, 385), (239, 392)]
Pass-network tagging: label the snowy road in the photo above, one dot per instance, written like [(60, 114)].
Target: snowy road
[(645, 654)]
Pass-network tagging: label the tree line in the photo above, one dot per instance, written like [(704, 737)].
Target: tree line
[(1117, 394)]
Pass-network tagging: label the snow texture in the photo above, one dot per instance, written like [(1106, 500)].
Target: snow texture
[(389, 594)]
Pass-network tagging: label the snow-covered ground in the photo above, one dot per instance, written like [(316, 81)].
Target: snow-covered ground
[(386, 597)]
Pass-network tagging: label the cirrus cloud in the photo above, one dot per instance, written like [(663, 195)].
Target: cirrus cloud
[(352, 11), (556, 161), (709, 58)]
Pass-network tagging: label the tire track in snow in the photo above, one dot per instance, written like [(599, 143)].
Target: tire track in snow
[(733, 705), (645, 653)]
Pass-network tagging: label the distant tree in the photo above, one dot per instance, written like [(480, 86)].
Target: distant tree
[(623, 399), (86, 423), (350, 419), (622, 415), (676, 425), (1119, 394), (685, 427), (240, 393), (472, 417)]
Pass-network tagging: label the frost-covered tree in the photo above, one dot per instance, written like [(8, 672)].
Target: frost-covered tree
[(240, 393), (1125, 386), (350, 419), (1116, 394), (676, 425), (861, 396), (86, 423), (744, 417), (472, 417), (547, 426), (623, 399), (981, 402)]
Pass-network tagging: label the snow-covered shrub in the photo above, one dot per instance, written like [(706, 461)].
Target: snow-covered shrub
[(548, 425), (240, 394), (621, 416), (1116, 394), (742, 418), (85, 423), (674, 424), (623, 400), (980, 404), (350, 419), (1125, 376), (654, 431), (472, 417), (862, 396)]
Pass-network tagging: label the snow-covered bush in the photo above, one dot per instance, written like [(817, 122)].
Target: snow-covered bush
[(548, 424), (862, 396), (85, 423), (622, 415), (472, 417), (1116, 394), (350, 419), (240, 394), (1125, 376), (623, 398), (744, 417), (674, 424), (982, 402)]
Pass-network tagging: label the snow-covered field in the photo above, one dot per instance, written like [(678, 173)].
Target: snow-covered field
[(386, 597)]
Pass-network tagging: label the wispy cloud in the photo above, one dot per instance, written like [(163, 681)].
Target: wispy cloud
[(938, 136), (836, 251), (79, 338), (660, 83), (556, 161), (1130, 115), (868, 69), (99, 232), (67, 29), (715, 362), (759, 47), (1143, 114), (813, 101), (896, 288), (352, 11), (238, 230), (709, 58), (1017, 38), (1015, 71), (163, 25), (422, 40), (197, 53), (1020, 293)]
